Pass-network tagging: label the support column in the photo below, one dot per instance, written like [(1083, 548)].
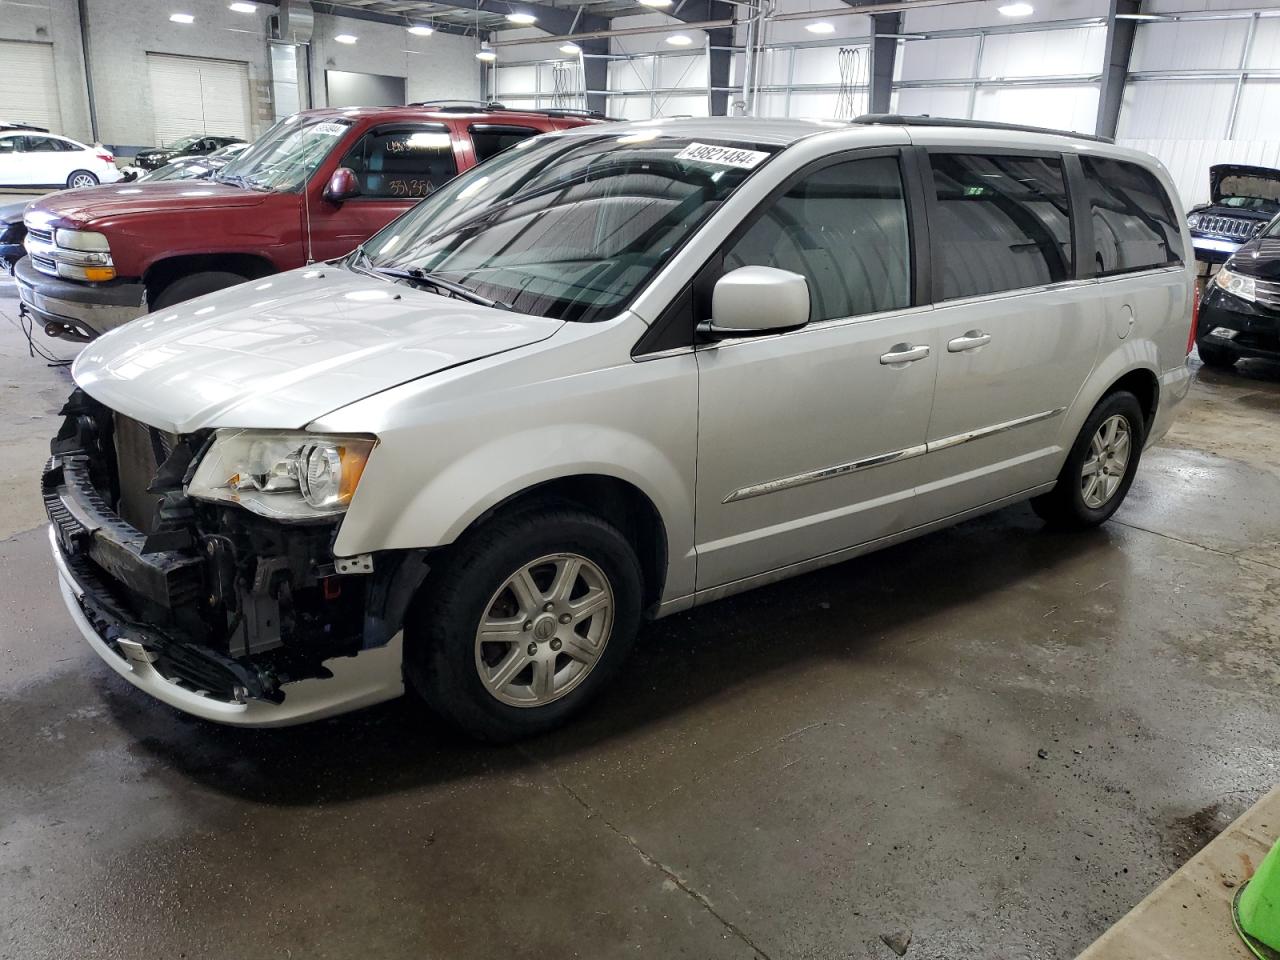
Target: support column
[(1115, 67), (595, 72), (885, 28), (719, 59)]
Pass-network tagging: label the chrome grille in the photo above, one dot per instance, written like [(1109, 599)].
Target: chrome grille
[(1267, 293), (1237, 228), (44, 236)]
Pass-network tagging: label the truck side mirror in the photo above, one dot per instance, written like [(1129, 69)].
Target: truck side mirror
[(342, 186)]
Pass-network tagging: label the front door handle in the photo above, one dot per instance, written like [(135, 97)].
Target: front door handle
[(903, 353), (970, 341)]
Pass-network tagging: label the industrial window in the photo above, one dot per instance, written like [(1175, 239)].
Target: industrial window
[(1001, 223), (844, 229), (1134, 226), (491, 138), (404, 163)]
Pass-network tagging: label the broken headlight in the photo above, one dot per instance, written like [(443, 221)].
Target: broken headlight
[(285, 475)]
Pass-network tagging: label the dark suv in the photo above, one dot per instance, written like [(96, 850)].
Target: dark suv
[(313, 187), (196, 145), (1242, 200), (1240, 313)]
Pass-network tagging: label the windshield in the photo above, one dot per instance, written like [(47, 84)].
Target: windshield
[(184, 142), (286, 154), (564, 227)]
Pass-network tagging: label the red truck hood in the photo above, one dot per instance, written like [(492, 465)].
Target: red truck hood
[(92, 204)]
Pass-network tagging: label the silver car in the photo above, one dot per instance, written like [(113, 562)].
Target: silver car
[(609, 375)]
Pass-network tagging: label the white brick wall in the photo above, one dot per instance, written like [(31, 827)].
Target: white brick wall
[(54, 22)]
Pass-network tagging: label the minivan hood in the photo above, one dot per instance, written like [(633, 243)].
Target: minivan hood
[(282, 351), (82, 207)]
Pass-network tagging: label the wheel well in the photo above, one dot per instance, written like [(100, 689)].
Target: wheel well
[(620, 503), (1143, 385), (160, 275)]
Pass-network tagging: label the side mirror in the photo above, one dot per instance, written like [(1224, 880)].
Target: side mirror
[(753, 301), (341, 186)]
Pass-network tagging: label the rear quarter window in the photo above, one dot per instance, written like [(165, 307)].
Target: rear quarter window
[(1132, 219)]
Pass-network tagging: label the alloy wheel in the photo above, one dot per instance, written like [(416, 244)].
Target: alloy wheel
[(83, 180), (544, 630), (1103, 471)]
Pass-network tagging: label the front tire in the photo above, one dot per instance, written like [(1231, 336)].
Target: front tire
[(195, 285), (82, 178), (1216, 357), (1100, 467), (524, 622)]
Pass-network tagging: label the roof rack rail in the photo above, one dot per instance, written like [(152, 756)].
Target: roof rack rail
[(924, 120), (472, 106)]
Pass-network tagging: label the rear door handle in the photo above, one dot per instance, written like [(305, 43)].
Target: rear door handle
[(970, 341), (903, 353)]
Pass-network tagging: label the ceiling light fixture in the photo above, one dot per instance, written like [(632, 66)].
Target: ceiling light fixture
[(346, 38), (243, 7), (181, 18), (820, 27), (523, 19), (654, 3), (486, 53), (572, 49), (420, 31), (1017, 9), (679, 40)]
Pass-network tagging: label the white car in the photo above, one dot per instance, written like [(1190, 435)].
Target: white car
[(31, 159), (608, 375)]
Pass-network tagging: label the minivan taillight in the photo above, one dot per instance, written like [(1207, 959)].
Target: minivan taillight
[(106, 158), (1195, 318)]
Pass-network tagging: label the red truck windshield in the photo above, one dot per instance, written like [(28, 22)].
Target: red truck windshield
[(287, 154)]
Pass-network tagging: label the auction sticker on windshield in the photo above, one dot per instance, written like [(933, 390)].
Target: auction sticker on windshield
[(725, 156)]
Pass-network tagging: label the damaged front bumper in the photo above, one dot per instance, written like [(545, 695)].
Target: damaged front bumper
[(215, 612), (131, 651)]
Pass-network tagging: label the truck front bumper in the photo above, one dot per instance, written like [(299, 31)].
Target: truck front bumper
[(76, 311)]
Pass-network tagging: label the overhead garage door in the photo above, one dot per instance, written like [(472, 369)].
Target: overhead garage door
[(28, 84), (194, 95)]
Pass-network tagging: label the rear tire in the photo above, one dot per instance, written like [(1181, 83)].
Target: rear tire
[(1099, 471), (1216, 357), (558, 593), (82, 178), (195, 285)]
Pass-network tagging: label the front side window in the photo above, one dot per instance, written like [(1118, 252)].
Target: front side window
[(1000, 223), (287, 154), (1134, 226), (569, 227), (492, 138), (844, 229), (8, 144), (404, 163)]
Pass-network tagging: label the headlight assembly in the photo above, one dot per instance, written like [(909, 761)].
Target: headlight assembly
[(285, 475), (1193, 221), (81, 240), (1236, 284)]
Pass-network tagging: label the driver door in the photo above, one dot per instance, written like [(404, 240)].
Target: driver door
[(396, 165), (810, 441)]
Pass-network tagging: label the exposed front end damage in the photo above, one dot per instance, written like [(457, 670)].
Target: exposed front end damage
[(213, 609)]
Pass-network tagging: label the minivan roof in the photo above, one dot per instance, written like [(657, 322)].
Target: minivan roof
[(412, 112)]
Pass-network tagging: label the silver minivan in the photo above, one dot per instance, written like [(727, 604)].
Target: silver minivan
[(610, 374)]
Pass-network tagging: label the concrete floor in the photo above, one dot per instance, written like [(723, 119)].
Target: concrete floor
[(788, 774)]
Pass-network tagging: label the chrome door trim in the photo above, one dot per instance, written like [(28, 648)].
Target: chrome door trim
[(825, 473), (880, 460), (956, 439)]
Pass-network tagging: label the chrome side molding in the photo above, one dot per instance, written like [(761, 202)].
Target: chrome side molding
[(906, 453)]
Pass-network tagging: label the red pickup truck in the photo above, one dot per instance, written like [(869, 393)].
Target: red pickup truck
[(313, 187)]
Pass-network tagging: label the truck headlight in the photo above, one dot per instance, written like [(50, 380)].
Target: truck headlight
[(1193, 221), (81, 240), (285, 475), (1236, 284)]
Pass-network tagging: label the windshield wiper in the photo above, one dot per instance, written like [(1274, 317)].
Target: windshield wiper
[(420, 277), (359, 260)]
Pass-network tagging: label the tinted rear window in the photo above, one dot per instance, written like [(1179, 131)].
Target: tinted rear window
[(1001, 223), (491, 138), (1134, 226)]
